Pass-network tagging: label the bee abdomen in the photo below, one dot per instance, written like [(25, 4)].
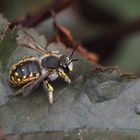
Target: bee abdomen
[(24, 71)]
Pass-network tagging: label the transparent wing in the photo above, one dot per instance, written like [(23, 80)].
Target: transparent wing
[(28, 88), (26, 40)]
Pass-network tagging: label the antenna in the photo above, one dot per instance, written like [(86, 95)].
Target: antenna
[(77, 44), (73, 60)]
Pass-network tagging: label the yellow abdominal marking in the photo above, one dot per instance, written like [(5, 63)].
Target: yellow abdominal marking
[(14, 67), (24, 77), (22, 69), (12, 78), (31, 75), (18, 79), (16, 74)]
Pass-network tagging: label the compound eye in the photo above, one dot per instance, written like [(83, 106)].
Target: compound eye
[(66, 59), (64, 66), (61, 64)]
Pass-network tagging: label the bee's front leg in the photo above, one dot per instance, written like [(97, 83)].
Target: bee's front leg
[(63, 75), (49, 89)]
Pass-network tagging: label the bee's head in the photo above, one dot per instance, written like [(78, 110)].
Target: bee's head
[(66, 63)]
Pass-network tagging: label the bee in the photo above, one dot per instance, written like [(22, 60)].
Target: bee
[(28, 73)]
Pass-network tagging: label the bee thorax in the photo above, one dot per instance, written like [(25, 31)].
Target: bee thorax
[(50, 62)]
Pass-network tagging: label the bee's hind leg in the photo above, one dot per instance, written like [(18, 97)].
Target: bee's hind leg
[(49, 89)]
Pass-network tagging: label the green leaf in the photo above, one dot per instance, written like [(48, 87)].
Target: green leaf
[(98, 97), (10, 53), (3, 25)]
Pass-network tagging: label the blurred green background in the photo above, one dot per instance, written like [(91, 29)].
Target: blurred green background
[(127, 51)]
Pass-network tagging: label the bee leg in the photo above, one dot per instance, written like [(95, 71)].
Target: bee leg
[(49, 89), (63, 75)]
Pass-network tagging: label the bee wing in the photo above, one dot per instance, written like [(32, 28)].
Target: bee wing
[(28, 88), (26, 40)]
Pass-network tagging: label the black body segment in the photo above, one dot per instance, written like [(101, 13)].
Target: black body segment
[(33, 67), (50, 62), (25, 71)]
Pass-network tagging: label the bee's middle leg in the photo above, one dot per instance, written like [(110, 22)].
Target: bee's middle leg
[(49, 89)]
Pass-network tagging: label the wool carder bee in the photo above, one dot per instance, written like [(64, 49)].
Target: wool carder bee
[(28, 73)]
